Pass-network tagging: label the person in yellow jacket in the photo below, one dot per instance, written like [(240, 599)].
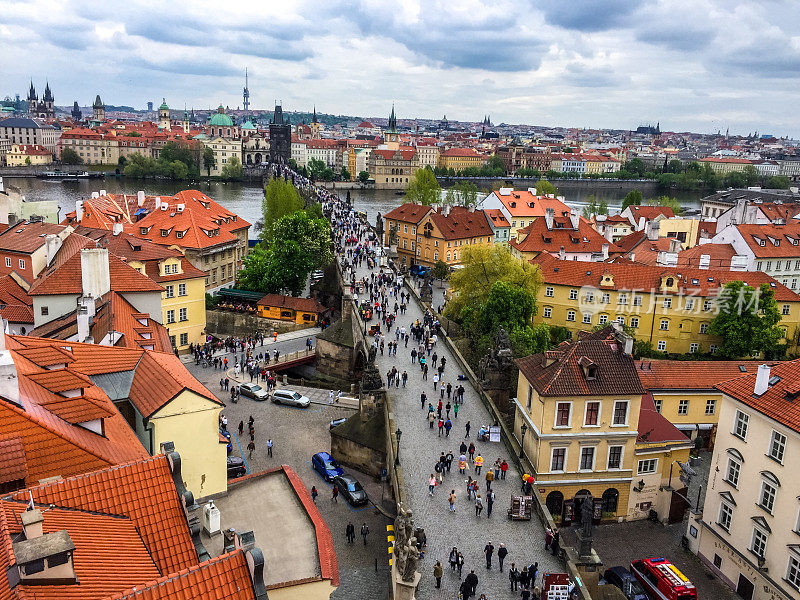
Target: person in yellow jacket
[(478, 464), (489, 479)]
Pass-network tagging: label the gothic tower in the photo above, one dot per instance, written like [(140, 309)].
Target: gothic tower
[(48, 101), (98, 110), (77, 115), (390, 137), (33, 101)]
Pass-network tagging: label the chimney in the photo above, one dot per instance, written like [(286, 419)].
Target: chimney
[(45, 559), (140, 198), (32, 523), (95, 275), (158, 202), (83, 324), (102, 192), (642, 223), (472, 208), (762, 380), (78, 211), (674, 245), (52, 243), (574, 218), (117, 228), (605, 251), (95, 195), (632, 256), (549, 215), (652, 230), (562, 254)]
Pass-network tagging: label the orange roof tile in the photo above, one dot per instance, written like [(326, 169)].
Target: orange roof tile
[(461, 223), (26, 237), (497, 217), (522, 203), (694, 375), (536, 237), (408, 213), (12, 460), (769, 241)]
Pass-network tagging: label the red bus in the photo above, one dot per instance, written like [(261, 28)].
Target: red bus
[(663, 580)]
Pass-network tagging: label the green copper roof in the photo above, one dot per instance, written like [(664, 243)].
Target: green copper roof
[(163, 104), (249, 125), (220, 120)]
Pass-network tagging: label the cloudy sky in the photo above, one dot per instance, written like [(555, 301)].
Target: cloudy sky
[(698, 65)]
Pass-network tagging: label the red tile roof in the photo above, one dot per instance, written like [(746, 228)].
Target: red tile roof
[(309, 305), (779, 402), (629, 276), (649, 212), (719, 256), (537, 238), (401, 154), (462, 152), (16, 305), (144, 492), (497, 217), (778, 240), (461, 223), (564, 376), (27, 237), (521, 203), (694, 375), (721, 159), (66, 278), (33, 150), (12, 460), (654, 427), (631, 241), (408, 213)]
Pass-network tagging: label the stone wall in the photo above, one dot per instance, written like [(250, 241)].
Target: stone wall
[(357, 456), (224, 323)]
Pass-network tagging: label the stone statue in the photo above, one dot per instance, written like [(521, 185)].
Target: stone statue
[(403, 525), (498, 359), (406, 553), (410, 554), (373, 353), (371, 379), (379, 226), (393, 236), (587, 518)]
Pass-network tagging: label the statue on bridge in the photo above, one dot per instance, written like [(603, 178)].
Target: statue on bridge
[(406, 553)]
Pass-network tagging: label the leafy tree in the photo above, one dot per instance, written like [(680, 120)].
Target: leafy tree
[(292, 164), (316, 168), (423, 188), (667, 202), (747, 321), (121, 161), (528, 173), (70, 157), (363, 176), (280, 199), (463, 193), (140, 166), (345, 174), (483, 266), (632, 198), (233, 169), (751, 175), (709, 176), (635, 166), (674, 166), (174, 170), (778, 182), (494, 167), (558, 334), (593, 207), (440, 270), (544, 187), (209, 162)]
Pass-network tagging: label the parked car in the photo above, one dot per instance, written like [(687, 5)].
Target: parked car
[(291, 398), (419, 270), (325, 465), (254, 391), (227, 435), (350, 489), (236, 467), (337, 422), (624, 580)]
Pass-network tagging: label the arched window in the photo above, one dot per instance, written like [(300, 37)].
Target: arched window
[(610, 500), (554, 502)]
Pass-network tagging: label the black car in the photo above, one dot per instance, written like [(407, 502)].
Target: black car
[(351, 490), (623, 579), (236, 467)]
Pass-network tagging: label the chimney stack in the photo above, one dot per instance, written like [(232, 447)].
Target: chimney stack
[(32, 523), (549, 215), (574, 219), (762, 380), (642, 223), (95, 274), (117, 228), (158, 202), (52, 243), (674, 245), (78, 211), (562, 254), (140, 198), (605, 251), (83, 324)]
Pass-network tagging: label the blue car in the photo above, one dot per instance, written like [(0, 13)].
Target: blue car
[(324, 464)]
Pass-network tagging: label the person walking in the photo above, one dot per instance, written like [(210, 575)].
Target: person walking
[(460, 564), (472, 452), (548, 538), (350, 532), (441, 427), (513, 576), (489, 478), (554, 545), (524, 578), (503, 469), (488, 550), (241, 428), (269, 447), (431, 418), (502, 552), (431, 484), (464, 590), (478, 463), (456, 406), (462, 449), (250, 447), (423, 399), (447, 408), (467, 428), (452, 499), (437, 573), (472, 580), (335, 494), (449, 460), (478, 505), (364, 532), (435, 381), (489, 503), (448, 425), (314, 493), (453, 559)]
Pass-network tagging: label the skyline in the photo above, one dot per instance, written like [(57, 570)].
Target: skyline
[(694, 66)]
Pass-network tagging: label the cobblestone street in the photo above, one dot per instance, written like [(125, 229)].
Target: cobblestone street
[(421, 446)]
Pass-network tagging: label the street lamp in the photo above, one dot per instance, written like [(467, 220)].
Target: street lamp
[(523, 428), (398, 433)]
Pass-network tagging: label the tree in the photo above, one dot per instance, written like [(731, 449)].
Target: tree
[(280, 199), (747, 321), (440, 270), (674, 166), (233, 169), (316, 168), (667, 202), (632, 198), (140, 166), (635, 166), (494, 167), (751, 175), (28, 160), (544, 187), (484, 265), (779, 182), (423, 188), (345, 174), (363, 176), (70, 157), (593, 207), (121, 161), (464, 193), (209, 161)]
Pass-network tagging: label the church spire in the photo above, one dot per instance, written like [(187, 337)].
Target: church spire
[(392, 121), (314, 116)]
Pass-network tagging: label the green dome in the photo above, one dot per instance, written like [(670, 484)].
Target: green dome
[(249, 125), (220, 120), (163, 105)]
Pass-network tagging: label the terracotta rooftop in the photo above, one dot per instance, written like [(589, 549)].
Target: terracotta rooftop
[(649, 212), (769, 241), (691, 375), (497, 217), (536, 237), (461, 223), (309, 305), (654, 427), (522, 203), (408, 213), (26, 237)]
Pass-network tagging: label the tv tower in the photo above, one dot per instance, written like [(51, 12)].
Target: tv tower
[(246, 94)]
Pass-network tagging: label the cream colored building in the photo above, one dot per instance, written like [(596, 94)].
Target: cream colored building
[(428, 155), (21, 155), (747, 532), (224, 149)]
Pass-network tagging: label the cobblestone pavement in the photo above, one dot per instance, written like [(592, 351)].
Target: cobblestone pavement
[(420, 447), (297, 434)]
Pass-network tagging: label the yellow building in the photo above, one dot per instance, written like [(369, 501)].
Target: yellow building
[(402, 222), (577, 414), (301, 311), (392, 168), (224, 149), (670, 308), (444, 233), (685, 230), (459, 159), (726, 165), (21, 155), (746, 533)]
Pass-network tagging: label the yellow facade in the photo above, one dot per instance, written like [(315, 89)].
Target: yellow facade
[(686, 230), (18, 156), (670, 322), (191, 422), (730, 165), (223, 149), (432, 246), (406, 240), (646, 490), (683, 408), (312, 590), (545, 439), (282, 313), (459, 162)]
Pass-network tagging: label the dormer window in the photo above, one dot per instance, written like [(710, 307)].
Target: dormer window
[(164, 232), (143, 230), (179, 234)]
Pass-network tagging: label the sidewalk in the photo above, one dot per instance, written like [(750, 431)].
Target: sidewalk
[(421, 446), (308, 332)]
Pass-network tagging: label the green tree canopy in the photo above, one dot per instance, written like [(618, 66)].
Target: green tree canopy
[(635, 166), (345, 174), (593, 207), (70, 157), (233, 169), (747, 321), (632, 198), (280, 199), (778, 182), (667, 202), (316, 168), (440, 270), (363, 176), (544, 187), (464, 193), (423, 188), (209, 162)]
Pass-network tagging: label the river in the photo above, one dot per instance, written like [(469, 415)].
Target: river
[(245, 199)]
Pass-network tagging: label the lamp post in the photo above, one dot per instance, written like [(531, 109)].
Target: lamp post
[(398, 433), (523, 428)]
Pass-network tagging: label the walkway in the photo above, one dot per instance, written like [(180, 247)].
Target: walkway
[(420, 447)]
